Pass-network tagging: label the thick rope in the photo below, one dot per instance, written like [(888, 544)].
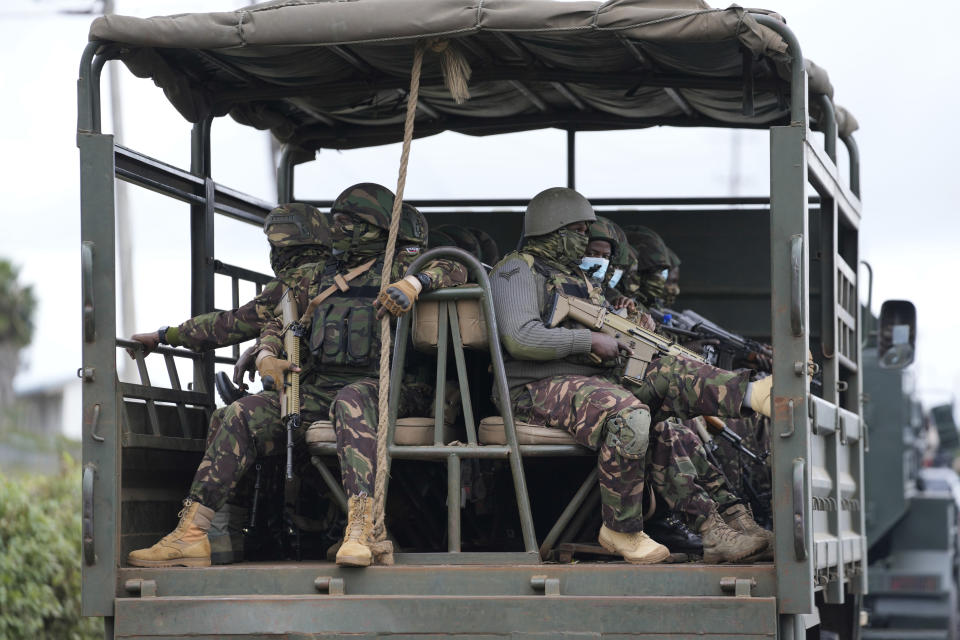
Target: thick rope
[(456, 73)]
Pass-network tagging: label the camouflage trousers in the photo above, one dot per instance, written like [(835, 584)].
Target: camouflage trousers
[(755, 431), (355, 416), (251, 427), (682, 475), (587, 407)]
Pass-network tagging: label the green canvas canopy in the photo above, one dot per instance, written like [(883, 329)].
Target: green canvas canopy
[(335, 74)]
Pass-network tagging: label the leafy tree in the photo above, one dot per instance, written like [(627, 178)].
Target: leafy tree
[(40, 558), (17, 304)]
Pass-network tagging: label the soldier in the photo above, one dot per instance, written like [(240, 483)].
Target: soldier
[(653, 265), (555, 381), (299, 234), (607, 244), (671, 290), (489, 252), (343, 337)]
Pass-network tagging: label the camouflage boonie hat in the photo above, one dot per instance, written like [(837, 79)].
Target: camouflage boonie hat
[(297, 223), (367, 201), (651, 250), (413, 226), (603, 229), (489, 251), (463, 238)]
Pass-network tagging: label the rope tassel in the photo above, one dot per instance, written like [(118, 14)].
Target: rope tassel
[(456, 70)]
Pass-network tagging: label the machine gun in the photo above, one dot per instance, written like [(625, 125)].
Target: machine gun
[(731, 348), (645, 345)]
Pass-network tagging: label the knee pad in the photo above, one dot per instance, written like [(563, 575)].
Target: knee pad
[(629, 432)]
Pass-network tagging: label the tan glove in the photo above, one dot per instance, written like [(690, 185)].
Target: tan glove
[(399, 297), (760, 395), (271, 370)]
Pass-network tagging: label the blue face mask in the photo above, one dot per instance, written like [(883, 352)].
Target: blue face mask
[(615, 278), (596, 268)]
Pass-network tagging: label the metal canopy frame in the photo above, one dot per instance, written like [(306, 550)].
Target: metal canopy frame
[(818, 443)]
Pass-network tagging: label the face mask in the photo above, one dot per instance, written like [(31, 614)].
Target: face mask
[(615, 278), (595, 268), (572, 246), (652, 287)]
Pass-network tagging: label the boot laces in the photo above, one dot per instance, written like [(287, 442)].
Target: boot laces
[(182, 525), (356, 519)]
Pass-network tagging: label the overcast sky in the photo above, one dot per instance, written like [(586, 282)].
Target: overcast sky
[(894, 75)]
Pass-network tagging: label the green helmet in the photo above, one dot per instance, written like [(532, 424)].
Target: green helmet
[(367, 201), (413, 226), (439, 238), (463, 238), (297, 223), (651, 250), (674, 258), (554, 209), (489, 251), (605, 229)]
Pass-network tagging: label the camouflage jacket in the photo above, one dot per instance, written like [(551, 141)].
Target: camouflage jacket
[(319, 350), (223, 328)]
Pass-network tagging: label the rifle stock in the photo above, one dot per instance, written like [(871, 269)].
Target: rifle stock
[(645, 345)]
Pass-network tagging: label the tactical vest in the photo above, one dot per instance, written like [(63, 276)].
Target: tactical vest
[(570, 284), (344, 329)]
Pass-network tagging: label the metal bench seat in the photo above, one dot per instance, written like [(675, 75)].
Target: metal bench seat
[(408, 432)]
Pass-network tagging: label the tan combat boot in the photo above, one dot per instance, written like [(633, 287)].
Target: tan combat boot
[(636, 548), (355, 549), (740, 518), (721, 543), (185, 546)]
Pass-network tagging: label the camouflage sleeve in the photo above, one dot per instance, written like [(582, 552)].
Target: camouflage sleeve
[(224, 328), (438, 273), (271, 337)]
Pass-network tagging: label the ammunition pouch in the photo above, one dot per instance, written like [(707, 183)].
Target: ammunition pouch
[(346, 331)]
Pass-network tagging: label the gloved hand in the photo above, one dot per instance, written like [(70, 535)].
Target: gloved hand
[(399, 297), (271, 369), (148, 340), (246, 363)]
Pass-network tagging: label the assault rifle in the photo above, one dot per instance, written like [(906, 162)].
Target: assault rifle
[(645, 345), (731, 348), (290, 389)]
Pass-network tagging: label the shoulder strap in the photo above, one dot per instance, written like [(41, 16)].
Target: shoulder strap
[(340, 284)]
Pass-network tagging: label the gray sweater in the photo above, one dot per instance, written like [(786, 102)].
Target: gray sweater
[(533, 350)]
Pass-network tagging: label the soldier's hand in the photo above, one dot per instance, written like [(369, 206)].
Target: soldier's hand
[(399, 297), (272, 368), (246, 363), (623, 302), (148, 340), (603, 346)]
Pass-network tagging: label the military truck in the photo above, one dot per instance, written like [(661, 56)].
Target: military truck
[(911, 509), (338, 75)]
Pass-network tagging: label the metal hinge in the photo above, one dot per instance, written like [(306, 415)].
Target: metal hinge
[(739, 587), (331, 586), (549, 586), (141, 587)]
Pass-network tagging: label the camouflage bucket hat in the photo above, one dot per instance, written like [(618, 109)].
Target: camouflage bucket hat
[(463, 238), (651, 250), (604, 229), (367, 201), (439, 238), (297, 223), (413, 226), (489, 251)]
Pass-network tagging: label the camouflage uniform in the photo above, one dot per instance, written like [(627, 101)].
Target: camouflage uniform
[(224, 328), (335, 363), (586, 399)]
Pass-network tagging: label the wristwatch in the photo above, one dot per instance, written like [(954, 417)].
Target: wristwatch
[(162, 335)]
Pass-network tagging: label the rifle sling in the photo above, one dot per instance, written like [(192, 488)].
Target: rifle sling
[(340, 285)]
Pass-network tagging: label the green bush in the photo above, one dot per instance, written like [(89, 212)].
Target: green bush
[(40, 557)]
